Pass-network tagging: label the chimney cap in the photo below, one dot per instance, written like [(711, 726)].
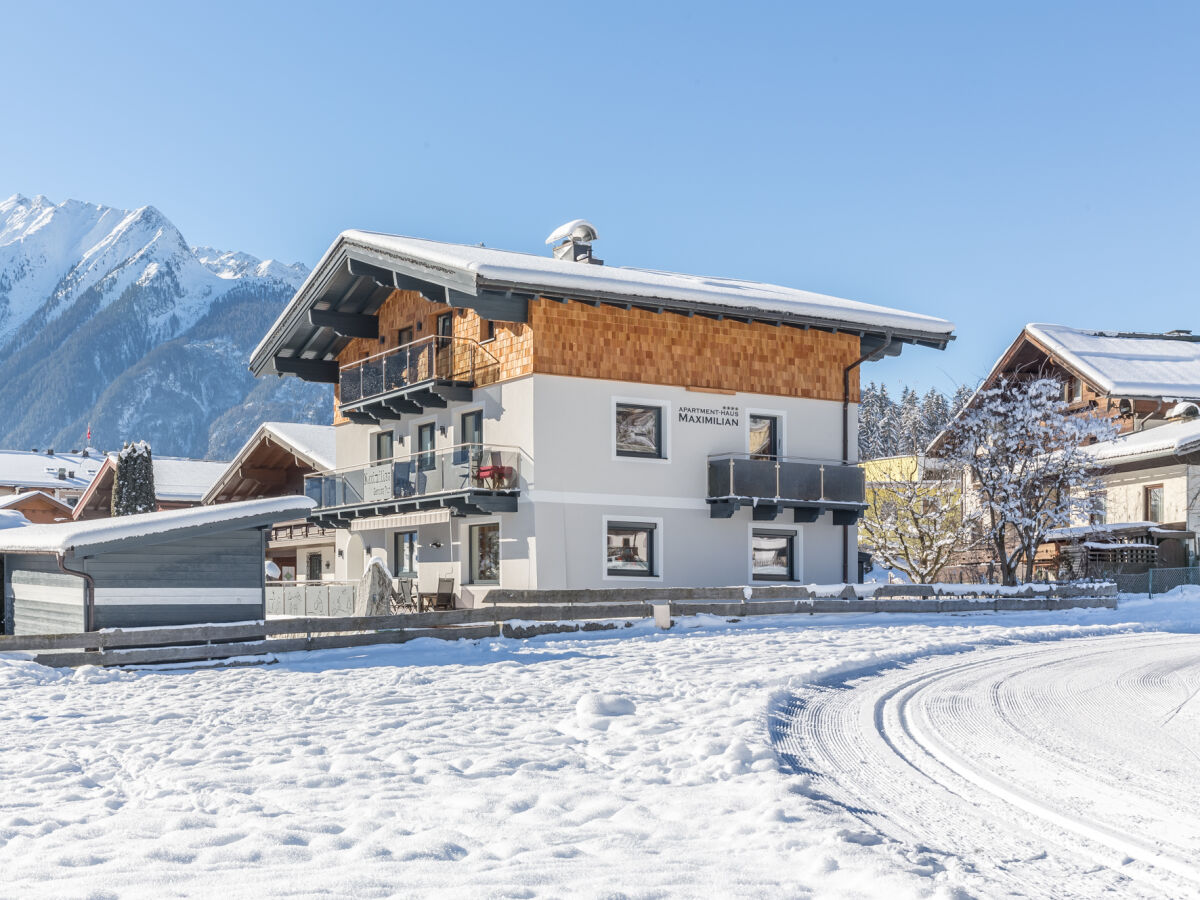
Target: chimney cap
[(579, 231)]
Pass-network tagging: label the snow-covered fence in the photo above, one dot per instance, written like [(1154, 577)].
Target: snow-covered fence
[(1157, 581), (193, 643)]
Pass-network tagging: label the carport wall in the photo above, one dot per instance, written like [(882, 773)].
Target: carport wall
[(214, 577)]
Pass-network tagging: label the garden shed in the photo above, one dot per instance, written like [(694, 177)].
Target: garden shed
[(177, 567)]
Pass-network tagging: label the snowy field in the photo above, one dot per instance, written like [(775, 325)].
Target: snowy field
[(1051, 754)]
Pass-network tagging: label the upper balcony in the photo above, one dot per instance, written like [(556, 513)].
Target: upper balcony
[(468, 479), (428, 373), (771, 484)]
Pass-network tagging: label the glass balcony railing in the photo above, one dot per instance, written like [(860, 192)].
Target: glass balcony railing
[(455, 470), (742, 475), (434, 358)]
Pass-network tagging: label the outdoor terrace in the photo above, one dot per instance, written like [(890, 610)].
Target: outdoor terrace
[(469, 479)]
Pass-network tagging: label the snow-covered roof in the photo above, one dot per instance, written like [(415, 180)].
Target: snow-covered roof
[(28, 468), (90, 533), (1125, 364), (1170, 440), (316, 443), (184, 479), (15, 499), (471, 270)]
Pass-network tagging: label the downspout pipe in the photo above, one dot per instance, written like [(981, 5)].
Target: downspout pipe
[(866, 357), (89, 591)]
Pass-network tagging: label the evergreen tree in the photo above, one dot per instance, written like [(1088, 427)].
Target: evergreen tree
[(869, 417), (133, 490), (960, 398), (909, 427), (935, 415), (888, 425)]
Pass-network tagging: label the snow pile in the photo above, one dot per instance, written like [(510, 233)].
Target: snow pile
[(637, 763)]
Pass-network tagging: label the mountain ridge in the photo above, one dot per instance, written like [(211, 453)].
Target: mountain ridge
[(109, 317)]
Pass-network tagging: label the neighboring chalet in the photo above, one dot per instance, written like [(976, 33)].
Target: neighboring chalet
[(526, 422), (38, 507), (63, 476), (273, 463), (178, 484), (1149, 384)]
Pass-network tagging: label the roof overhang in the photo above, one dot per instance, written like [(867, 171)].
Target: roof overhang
[(341, 298)]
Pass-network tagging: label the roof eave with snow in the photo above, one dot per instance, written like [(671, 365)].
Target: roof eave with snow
[(361, 269), (129, 532)]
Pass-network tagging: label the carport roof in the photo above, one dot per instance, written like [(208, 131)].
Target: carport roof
[(130, 532)]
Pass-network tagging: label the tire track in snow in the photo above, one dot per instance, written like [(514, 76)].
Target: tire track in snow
[(1030, 764)]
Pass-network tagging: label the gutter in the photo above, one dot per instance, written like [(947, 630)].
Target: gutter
[(89, 591), (874, 354)]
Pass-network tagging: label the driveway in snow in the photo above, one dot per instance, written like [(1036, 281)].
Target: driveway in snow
[(964, 756), (1062, 769)]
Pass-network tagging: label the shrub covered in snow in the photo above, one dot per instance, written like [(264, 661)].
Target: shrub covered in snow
[(133, 490)]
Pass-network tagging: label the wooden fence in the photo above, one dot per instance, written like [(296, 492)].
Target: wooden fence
[(194, 643)]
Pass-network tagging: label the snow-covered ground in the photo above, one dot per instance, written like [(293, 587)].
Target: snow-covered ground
[(790, 756)]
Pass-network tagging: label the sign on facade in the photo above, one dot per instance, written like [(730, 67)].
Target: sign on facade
[(377, 483), (710, 415)]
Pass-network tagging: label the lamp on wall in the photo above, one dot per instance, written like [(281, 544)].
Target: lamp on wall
[(436, 545)]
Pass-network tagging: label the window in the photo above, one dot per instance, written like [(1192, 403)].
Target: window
[(404, 336), (1099, 514), (639, 431), (314, 567), (425, 455), (487, 330), (772, 553), (470, 437), (485, 554), (1072, 389), (405, 555), (1154, 503), (631, 549), (445, 325), (764, 437), (381, 446)]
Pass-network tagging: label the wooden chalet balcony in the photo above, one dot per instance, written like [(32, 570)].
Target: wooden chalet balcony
[(468, 479), (428, 373), (771, 484), (299, 532)]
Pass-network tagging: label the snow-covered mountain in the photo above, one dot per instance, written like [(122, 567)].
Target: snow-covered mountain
[(108, 317)]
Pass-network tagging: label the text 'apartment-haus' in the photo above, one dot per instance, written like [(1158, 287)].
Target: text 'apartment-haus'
[(528, 422)]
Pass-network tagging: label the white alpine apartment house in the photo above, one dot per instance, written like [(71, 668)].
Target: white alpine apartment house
[(549, 423)]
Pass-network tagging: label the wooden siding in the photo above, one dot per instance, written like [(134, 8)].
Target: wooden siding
[(513, 344), (665, 348), (606, 342)]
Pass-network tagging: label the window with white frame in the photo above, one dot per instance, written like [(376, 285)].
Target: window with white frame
[(485, 553), (639, 430), (630, 548), (764, 436)]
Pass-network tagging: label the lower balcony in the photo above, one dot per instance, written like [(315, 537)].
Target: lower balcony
[(771, 484), (468, 479)]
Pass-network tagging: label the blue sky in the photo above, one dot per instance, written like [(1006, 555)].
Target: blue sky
[(990, 163)]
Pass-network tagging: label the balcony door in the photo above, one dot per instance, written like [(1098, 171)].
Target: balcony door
[(445, 346), (764, 437)]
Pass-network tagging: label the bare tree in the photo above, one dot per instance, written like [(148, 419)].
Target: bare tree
[(1025, 452), (915, 520)]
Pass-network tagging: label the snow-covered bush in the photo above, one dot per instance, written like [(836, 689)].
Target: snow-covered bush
[(133, 488), (1023, 449)]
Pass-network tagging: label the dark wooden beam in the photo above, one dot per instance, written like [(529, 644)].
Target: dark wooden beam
[(320, 370), (349, 324)]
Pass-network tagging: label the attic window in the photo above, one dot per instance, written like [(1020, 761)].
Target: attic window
[(1072, 389)]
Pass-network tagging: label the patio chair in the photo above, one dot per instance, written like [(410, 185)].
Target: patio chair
[(402, 600), (443, 598)]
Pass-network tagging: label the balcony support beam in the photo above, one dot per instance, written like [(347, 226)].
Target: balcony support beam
[(723, 509), (319, 370), (806, 514), (348, 324), (765, 512)]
